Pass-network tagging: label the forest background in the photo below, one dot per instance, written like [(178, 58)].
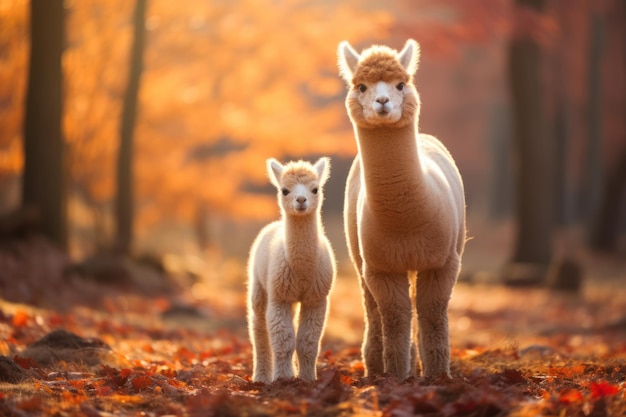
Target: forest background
[(224, 85)]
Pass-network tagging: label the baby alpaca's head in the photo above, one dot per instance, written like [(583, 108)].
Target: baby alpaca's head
[(299, 184), (380, 80)]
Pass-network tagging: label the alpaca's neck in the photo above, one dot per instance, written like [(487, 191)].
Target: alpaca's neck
[(301, 237), (392, 173)]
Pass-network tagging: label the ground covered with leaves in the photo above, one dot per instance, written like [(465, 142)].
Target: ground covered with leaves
[(72, 345)]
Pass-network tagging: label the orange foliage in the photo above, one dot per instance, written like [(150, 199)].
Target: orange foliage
[(14, 45), (227, 84)]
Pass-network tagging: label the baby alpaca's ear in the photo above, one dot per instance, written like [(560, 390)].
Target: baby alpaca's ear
[(274, 171), (322, 166)]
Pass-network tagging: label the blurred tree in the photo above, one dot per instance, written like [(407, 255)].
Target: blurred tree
[(607, 124), (220, 92), (124, 207), (95, 85), (43, 183), (536, 157), (605, 222), (593, 174)]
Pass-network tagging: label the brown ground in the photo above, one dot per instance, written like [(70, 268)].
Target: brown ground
[(153, 345)]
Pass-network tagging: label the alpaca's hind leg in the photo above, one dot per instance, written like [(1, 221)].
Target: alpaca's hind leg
[(261, 351), (433, 294), (373, 337), (282, 338), (391, 292), (310, 328)]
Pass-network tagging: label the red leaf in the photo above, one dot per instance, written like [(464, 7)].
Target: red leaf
[(184, 355), (114, 376), (25, 363), (20, 319), (141, 382), (602, 389), (570, 396)]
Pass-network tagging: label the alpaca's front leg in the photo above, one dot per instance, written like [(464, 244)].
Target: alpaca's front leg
[(282, 338), (261, 351), (433, 294), (391, 292), (310, 328), (373, 337)]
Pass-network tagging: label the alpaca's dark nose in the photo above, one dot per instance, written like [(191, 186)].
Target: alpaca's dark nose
[(382, 100), (301, 199)]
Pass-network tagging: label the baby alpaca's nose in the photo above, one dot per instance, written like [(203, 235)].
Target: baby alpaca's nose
[(301, 199)]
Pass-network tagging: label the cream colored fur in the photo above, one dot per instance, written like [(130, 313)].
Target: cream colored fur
[(291, 261), (404, 214)]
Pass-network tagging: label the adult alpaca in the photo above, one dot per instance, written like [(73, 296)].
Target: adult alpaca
[(291, 261), (404, 214)]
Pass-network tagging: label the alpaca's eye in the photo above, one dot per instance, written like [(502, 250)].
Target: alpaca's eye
[(400, 86), (314, 190), (362, 88), (285, 191)]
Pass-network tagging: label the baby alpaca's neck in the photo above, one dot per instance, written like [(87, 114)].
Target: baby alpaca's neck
[(301, 237)]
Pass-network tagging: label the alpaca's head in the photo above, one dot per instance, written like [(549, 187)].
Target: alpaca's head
[(299, 184), (380, 80)]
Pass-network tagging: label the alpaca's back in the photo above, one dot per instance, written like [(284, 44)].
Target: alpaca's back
[(442, 170), (265, 246)]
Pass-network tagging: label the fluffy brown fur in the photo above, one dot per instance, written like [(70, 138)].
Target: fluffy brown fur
[(404, 215), (297, 172), (379, 63)]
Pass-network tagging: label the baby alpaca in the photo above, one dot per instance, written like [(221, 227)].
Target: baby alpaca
[(291, 261), (404, 214)]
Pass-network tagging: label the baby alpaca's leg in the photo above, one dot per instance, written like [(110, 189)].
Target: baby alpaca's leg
[(261, 351), (282, 338), (310, 328)]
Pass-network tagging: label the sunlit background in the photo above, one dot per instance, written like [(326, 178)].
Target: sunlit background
[(229, 83)]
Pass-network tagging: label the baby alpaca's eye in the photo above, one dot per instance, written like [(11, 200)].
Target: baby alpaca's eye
[(285, 191), (400, 86), (362, 88), (314, 190)]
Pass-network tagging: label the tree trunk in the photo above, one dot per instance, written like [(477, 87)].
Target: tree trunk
[(593, 175), (535, 153), (124, 207), (43, 182), (605, 228)]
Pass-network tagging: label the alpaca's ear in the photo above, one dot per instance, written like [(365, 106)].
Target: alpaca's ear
[(347, 59), (410, 56), (322, 166), (274, 171)]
